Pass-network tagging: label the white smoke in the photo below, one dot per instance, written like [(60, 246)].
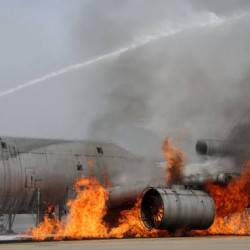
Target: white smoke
[(212, 166), (206, 19), (186, 70)]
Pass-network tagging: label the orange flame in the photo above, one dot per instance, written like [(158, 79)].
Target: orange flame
[(131, 226), (49, 226), (106, 181), (175, 162), (91, 164), (231, 202), (85, 218)]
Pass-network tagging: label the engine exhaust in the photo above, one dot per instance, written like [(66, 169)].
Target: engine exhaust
[(176, 208)]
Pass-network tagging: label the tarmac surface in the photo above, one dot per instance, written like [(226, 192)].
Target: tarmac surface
[(204, 243)]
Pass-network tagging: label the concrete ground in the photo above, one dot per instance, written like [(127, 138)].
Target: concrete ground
[(192, 243)]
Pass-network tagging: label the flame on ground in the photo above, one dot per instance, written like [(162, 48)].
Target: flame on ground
[(231, 201), (86, 215), (85, 218)]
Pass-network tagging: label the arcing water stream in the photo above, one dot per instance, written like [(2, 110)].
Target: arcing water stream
[(210, 20)]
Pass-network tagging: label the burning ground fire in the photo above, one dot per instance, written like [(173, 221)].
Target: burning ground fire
[(231, 201), (85, 219), (86, 215)]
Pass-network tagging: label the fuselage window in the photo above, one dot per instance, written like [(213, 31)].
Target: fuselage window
[(99, 150), (79, 167)]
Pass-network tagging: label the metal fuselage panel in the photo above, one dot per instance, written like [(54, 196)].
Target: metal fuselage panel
[(53, 166)]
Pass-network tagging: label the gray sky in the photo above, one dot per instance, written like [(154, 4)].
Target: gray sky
[(195, 82)]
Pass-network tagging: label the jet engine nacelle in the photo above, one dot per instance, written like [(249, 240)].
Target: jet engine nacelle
[(215, 147), (177, 208)]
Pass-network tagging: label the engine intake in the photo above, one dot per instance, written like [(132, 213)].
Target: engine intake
[(172, 209)]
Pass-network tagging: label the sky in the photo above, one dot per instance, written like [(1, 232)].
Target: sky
[(192, 84)]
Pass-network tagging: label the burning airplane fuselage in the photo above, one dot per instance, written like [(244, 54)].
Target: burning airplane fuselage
[(38, 172), (49, 168)]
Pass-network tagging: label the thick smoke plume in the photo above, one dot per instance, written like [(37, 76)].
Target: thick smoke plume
[(163, 32), (194, 82)]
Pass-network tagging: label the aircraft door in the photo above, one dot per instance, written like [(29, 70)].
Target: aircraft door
[(29, 178), (12, 178)]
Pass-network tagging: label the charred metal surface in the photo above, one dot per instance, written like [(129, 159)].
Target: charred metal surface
[(122, 196)]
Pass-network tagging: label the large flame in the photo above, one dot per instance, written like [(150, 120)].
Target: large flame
[(231, 201), (87, 211), (85, 218), (175, 162)]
